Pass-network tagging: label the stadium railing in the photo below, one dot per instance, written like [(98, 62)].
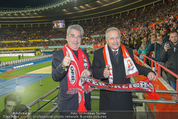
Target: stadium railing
[(54, 102), (24, 60), (157, 67)]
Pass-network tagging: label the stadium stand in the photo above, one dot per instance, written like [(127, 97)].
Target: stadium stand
[(160, 17)]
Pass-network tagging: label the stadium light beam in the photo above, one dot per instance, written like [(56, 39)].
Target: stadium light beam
[(82, 7), (76, 8)]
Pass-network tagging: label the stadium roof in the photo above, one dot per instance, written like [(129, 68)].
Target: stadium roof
[(41, 11), (26, 3)]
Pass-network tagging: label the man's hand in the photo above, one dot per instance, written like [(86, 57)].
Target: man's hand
[(151, 76), (166, 47), (86, 73), (153, 41), (106, 72), (66, 61)]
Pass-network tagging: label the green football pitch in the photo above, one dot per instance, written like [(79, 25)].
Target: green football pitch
[(4, 59), (34, 91)]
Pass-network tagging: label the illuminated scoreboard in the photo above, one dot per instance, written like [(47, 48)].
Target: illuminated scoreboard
[(59, 24)]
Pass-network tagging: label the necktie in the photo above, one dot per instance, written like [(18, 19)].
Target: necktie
[(115, 53)]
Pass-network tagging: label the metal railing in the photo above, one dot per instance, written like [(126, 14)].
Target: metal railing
[(24, 60), (42, 97), (135, 101), (145, 101), (158, 67)]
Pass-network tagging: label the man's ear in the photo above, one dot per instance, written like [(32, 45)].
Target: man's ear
[(66, 38)]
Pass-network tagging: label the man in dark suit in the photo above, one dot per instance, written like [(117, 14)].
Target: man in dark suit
[(68, 65), (115, 73)]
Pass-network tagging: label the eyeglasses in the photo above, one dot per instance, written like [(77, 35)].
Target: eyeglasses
[(73, 36)]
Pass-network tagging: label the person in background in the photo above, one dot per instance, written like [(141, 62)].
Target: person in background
[(145, 41), (142, 50), (170, 56), (156, 45), (10, 104), (19, 56), (175, 26)]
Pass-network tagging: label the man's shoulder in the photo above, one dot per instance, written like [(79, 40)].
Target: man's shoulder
[(151, 45), (129, 49), (86, 54), (58, 53), (99, 50), (3, 113)]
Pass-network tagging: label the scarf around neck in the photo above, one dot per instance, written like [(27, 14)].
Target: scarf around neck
[(130, 68), (75, 69)]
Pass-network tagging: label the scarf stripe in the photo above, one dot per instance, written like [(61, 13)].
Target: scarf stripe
[(108, 62), (74, 73), (130, 68), (125, 52)]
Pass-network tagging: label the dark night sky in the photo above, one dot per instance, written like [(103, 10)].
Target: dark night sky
[(24, 3)]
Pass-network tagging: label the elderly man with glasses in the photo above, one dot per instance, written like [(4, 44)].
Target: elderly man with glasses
[(68, 65)]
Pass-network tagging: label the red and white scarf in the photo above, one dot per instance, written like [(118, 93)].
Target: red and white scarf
[(75, 69), (140, 86), (130, 68)]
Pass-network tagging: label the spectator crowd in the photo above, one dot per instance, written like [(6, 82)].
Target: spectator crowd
[(141, 17), (148, 38)]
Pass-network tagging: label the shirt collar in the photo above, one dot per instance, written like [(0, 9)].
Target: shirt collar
[(115, 50)]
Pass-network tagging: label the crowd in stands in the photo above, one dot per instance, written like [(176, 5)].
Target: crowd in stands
[(141, 17), (148, 39)]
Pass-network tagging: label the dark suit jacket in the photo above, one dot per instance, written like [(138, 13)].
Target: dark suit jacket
[(109, 100), (66, 102)]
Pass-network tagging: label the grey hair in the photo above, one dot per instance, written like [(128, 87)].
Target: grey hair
[(112, 29), (76, 27)]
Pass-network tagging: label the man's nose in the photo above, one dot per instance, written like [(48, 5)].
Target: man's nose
[(115, 40), (75, 39)]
